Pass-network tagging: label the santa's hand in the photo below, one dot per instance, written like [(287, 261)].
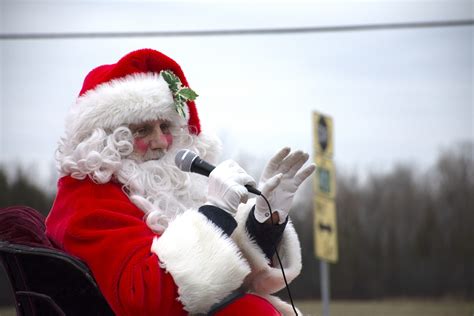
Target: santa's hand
[(227, 186), (280, 179)]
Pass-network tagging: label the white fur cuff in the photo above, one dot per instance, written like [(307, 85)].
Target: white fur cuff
[(205, 264), (265, 278)]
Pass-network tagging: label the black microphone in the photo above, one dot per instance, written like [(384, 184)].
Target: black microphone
[(189, 161)]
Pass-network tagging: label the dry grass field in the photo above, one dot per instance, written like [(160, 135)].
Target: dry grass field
[(390, 308), (373, 308)]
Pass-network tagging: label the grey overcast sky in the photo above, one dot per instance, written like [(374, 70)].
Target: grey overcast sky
[(395, 95)]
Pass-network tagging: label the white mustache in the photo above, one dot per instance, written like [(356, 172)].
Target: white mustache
[(151, 154)]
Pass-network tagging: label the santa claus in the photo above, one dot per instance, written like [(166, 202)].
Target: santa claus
[(158, 240)]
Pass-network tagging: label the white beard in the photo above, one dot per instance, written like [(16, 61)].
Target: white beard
[(160, 189)]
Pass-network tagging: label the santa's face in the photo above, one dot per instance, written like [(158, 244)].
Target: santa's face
[(152, 180), (151, 139)]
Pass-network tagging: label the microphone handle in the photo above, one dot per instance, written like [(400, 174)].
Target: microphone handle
[(204, 168), (251, 189), (201, 166)]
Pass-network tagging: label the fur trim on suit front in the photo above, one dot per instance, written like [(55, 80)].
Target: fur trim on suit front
[(283, 307), (205, 264)]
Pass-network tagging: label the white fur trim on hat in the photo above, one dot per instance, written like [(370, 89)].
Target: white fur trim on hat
[(205, 264), (266, 277), (129, 100)]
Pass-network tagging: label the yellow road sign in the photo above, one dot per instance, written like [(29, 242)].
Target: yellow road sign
[(325, 229), (323, 134), (325, 177)]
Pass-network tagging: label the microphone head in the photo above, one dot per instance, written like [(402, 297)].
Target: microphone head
[(184, 159)]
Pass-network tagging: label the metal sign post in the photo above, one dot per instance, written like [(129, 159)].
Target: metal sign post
[(325, 228), (325, 286)]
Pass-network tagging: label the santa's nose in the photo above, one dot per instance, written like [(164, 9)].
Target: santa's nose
[(159, 140)]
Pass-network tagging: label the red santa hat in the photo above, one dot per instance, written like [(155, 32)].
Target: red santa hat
[(132, 90)]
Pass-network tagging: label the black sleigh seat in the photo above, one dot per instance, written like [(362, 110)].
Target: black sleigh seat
[(44, 279)]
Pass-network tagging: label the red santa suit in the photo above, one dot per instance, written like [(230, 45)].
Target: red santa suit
[(194, 265)]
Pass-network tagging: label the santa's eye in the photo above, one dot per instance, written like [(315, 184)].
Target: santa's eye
[(165, 127), (141, 131)]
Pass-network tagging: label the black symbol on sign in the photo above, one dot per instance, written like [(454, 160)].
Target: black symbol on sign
[(323, 133), (324, 227)]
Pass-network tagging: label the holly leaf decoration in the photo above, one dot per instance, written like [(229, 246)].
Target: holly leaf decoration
[(180, 94), (188, 94), (180, 108), (173, 81)]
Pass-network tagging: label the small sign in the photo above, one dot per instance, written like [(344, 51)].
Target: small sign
[(325, 229), (323, 134), (325, 177)]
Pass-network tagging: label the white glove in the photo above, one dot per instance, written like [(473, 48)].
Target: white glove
[(226, 188), (280, 179)]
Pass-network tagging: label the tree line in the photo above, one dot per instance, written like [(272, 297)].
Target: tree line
[(21, 190), (401, 233)]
